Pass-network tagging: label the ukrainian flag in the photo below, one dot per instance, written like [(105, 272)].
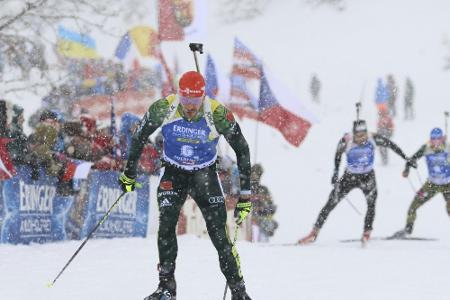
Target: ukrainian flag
[(144, 38), (75, 45)]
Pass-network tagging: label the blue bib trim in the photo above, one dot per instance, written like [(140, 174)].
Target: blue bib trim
[(360, 158), (438, 167), (188, 145)]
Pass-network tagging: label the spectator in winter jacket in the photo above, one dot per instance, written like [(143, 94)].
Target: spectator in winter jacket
[(4, 141), (128, 123), (314, 88), (381, 93), (392, 90), (409, 99), (42, 153), (385, 128), (80, 145), (263, 224), (3, 118), (18, 144), (106, 156), (54, 119)]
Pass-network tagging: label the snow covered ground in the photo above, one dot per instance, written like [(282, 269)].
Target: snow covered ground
[(348, 50), (125, 269)]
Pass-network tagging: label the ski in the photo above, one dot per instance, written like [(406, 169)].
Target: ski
[(389, 238), (281, 244)]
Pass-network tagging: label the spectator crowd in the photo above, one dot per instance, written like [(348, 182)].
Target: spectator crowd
[(64, 133), (56, 142)]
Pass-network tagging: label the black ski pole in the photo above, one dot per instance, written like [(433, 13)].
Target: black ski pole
[(194, 48), (234, 242), (419, 177), (353, 206), (87, 238), (412, 185), (336, 193), (358, 108)]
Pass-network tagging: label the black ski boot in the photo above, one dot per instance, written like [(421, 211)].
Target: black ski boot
[(167, 288), (238, 291)]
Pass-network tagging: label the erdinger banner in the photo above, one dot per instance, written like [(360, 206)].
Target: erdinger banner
[(32, 212), (127, 219)]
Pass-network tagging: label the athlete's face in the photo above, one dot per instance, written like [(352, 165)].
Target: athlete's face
[(437, 143), (191, 105), (360, 137)]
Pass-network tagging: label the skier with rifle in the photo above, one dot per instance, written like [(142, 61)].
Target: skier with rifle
[(437, 154), (191, 124), (359, 148)]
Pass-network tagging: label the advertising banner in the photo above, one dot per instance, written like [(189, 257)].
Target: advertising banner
[(32, 212), (130, 215)]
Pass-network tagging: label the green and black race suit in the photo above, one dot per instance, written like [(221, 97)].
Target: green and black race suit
[(222, 121), (438, 162), (438, 181), (189, 169)]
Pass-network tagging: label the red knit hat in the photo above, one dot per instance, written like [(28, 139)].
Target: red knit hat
[(191, 84)]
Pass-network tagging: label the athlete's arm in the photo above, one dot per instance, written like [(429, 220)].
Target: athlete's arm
[(385, 142), (412, 162), (419, 153), (227, 125), (152, 119), (340, 149)]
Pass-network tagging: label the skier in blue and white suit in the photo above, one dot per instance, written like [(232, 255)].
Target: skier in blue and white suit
[(359, 148), (437, 155)]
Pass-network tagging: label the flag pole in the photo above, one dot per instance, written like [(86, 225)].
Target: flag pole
[(255, 154), (257, 120), (159, 55)]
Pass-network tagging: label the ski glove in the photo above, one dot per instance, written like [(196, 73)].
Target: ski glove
[(411, 163), (335, 177), (128, 184), (242, 209)]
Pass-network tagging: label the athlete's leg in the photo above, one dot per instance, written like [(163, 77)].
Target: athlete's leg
[(426, 192), (207, 193), (172, 191), (446, 193), (340, 190), (369, 188)]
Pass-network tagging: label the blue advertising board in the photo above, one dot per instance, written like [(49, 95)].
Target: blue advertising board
[(32, 212), (128, 218)]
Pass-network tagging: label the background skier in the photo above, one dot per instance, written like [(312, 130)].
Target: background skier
[(385, 128), (409, 100), (436, 152), (359, 173)]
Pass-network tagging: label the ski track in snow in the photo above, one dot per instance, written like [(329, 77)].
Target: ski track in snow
[(126, 269)]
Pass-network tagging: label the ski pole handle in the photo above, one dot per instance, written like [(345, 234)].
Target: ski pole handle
[(358, 107), (194, 48)]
